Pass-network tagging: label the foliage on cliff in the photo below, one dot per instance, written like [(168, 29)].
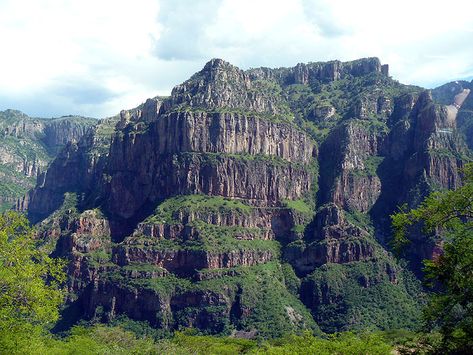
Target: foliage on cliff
[(448, 215)]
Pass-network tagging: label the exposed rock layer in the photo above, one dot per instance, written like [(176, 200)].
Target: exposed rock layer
[(241, 149)]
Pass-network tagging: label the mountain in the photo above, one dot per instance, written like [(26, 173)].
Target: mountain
[(27, 145), (255, 200)]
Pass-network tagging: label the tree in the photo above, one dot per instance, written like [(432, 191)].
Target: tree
[(30, 280), (448, 214)]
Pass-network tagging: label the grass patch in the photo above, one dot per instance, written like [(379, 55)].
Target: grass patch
[(166, 212), (300, 206)]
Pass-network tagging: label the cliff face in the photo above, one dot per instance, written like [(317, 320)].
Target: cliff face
[(27, 145), (310, 73), (252, 197), (61, 131)]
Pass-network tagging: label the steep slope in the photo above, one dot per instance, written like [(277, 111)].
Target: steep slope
[(252, 200), (454, 94), (26, 147), (232, 169)]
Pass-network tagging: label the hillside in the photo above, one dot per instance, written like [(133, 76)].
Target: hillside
[(27, 145), (255, 201)]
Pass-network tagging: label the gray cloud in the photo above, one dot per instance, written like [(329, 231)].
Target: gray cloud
[(81, 91), (65, 95), (40, 104)]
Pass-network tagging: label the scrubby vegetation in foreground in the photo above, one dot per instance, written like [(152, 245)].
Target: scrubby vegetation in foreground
[(101, 339)]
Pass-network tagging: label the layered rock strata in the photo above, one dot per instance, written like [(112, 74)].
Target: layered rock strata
[(250, 193)]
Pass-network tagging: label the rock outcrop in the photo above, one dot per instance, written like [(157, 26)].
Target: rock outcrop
[(181, 211), (27, 145)]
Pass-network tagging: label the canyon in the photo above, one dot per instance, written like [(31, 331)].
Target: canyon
[(249, 201)]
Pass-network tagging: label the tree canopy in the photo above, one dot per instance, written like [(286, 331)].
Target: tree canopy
[(449, 215), (30, 280)]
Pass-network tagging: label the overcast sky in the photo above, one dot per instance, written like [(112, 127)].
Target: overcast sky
[(96, 57)]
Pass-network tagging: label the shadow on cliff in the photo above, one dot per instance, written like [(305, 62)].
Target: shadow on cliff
[(390, 174), (121, 227), (70, 315), (395, 191)]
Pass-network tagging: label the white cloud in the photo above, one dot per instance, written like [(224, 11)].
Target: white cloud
[(98, 57), (76, 56)]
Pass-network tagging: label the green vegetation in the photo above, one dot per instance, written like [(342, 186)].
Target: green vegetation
[(304, 208), (25, 148), (445, 94), (393, 303), (14, 183), (343, 95), (231, 238), (259, 292), (360, 219), (212, 239), (164, 286), (99, 339), (29, 284), (263, 299), (12, 186), (296, 103), (449, 153), (371, 165), (166, 212), (67, 211), (300, 206), (449, 214), (345, 343), (372, 126), (99, 257), (465, 123), (143, 267), (104, 131)]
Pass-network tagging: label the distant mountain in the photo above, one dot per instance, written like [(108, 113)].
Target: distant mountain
[(459, 100), (27, 145), (255, 200)]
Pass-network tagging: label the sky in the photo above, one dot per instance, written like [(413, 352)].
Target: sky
[(97, 57)]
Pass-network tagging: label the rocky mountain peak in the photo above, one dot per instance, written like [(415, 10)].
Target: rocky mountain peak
[(365, 66), (240, 171), (218, 64), (222, 86), (143, 114), (315, 72), (13, 113), (217, 70), (446, 93)]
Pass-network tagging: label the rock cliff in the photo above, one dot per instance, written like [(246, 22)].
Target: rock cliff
[(27, 145), (255, 197)]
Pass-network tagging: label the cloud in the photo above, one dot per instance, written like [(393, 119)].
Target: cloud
[(82, 90), (321, 15), (97, 57), (183, 25), (61, 57)]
